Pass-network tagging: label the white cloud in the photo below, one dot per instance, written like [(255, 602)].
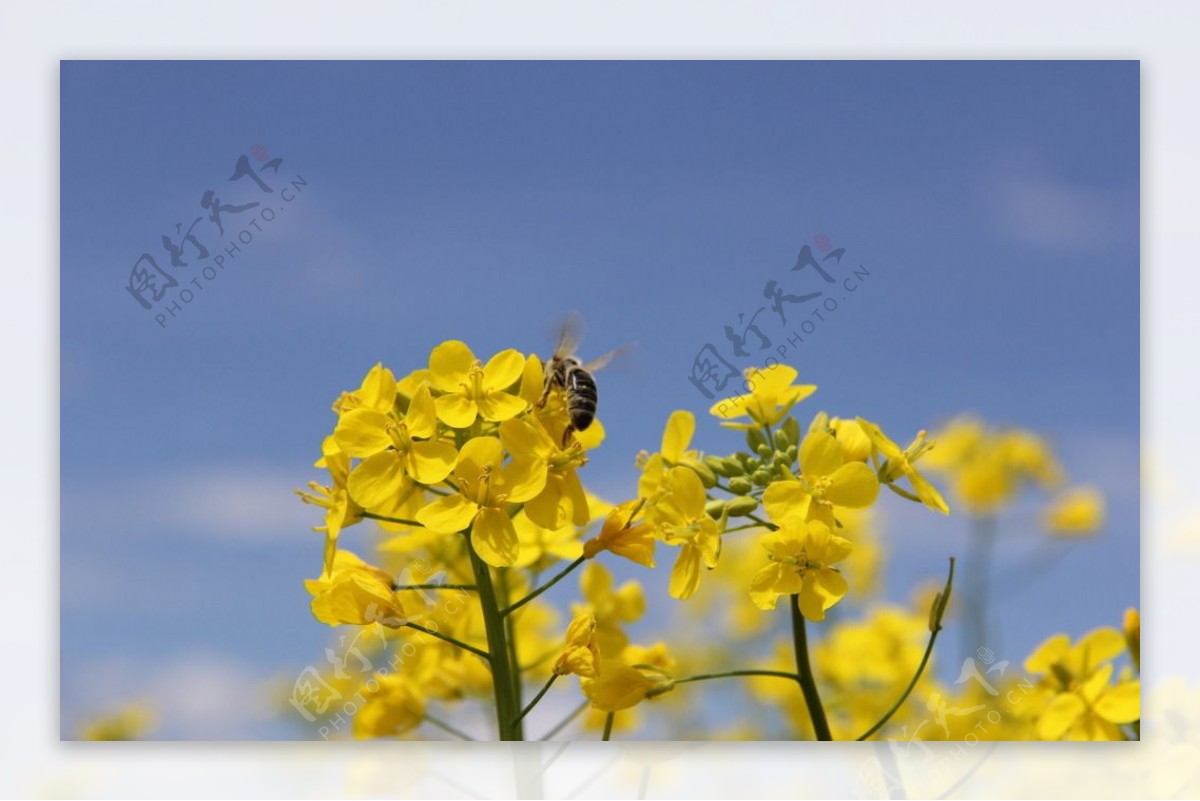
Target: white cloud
[(225, 503), (1037, 208)]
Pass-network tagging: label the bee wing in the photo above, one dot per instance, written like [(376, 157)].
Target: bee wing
[(601, 362), (570, 333)]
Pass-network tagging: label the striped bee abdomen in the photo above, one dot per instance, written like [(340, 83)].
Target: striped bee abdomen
[(581, 397)]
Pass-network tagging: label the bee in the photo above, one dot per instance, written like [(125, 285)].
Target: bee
[(564, 371)]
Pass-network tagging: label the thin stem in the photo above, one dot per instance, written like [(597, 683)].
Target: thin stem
[(907, 690), (608, 724), (536, 698), (446, 727), (386, 519), (562, 574), (808, 683), (562, 724), (497, 645), (447, 638), (935, 627), (732, 673), (762, 522)]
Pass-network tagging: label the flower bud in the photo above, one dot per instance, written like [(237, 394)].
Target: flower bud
[(762, 477), (763, 451), (735, 467), (715, 509), (719, 466), (740, 485), (740, 507), (707, 477), (781, 440), (755, 439)]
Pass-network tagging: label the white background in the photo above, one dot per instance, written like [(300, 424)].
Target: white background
[(33, 39)]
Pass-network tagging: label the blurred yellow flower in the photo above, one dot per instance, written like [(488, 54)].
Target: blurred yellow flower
[(1077, 512), (392, 707), (1076, 700), (356, 593), (130, 722)]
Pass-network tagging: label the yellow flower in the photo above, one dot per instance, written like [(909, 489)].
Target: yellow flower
[(681, 425), (618, 686), (1078, 511), (393, 449), (771, 396), (1082, 704), (856, 445), (541, 547), (802, 557), (471, 389), (485, 486), (683, 522), (561, 498), (826, 481), (356, 593), (377, 391), (581, 654), (395, 706), (340, 510), (621, 537), (611, 607), (903, 463)]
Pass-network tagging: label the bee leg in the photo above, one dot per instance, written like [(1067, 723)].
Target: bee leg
[(541, 404), (567, 432)]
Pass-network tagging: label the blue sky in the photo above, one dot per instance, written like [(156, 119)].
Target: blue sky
[(995, 205)]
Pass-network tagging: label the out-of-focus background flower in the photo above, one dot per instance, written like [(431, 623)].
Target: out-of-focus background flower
[(995, 206)]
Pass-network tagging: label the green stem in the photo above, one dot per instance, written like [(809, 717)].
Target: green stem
[(608, 724), (447, 638), (510, 631), (732, 673), (502, 681), (808, 683), (763, 523), (386, 519), (536, 698), (562, 574)]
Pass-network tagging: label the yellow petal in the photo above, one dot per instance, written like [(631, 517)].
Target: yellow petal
[(430, 462), (928, 493), (681, 425), (820, 455), (685, 575), (853, 485), (786, 502), (378, 390), (1051, 650), (494, 538), (523, 479), (448, 514), (456, 410), (526, 438), (421, 419), (503, 369), (499, 406), (687, 492), (822, 589), (377, 479), (362, 432), (1057, 718), (1122, 704), (450, 365)]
